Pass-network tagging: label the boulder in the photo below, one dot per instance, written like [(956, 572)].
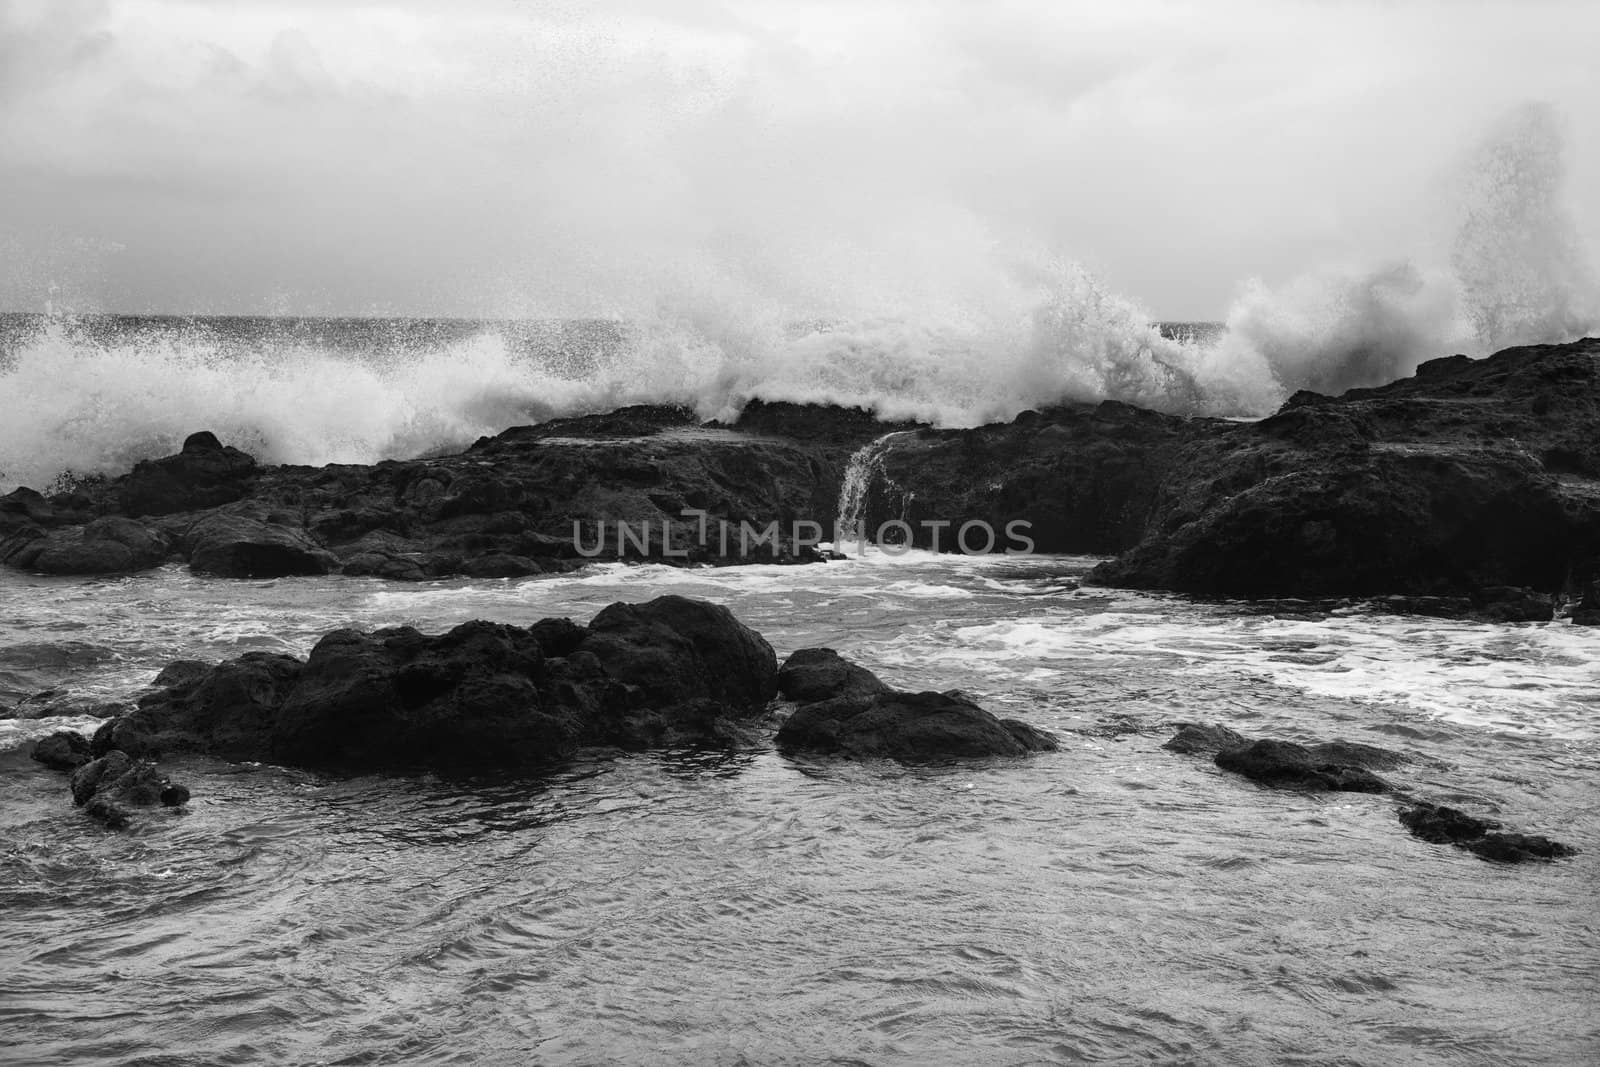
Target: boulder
[(1343, 766), (1195, 739), (229, 710), (912, 727), (1483, 837), (112, 545), (813, 674), (236, 546), (1284, 763), (63, 750), (1472, 475), (675, 648), (204, 474), (670, 672), (398, 697), (108, 787)]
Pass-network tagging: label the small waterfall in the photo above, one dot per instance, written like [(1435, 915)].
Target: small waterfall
[(866, 463)]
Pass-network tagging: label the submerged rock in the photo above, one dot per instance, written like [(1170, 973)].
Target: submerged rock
[(1284, 763), (1343, 766), (1482, 837), (108, 787), (846, 710), (1201, 739)]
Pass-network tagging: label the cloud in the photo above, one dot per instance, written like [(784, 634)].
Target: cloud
[(496, 157)]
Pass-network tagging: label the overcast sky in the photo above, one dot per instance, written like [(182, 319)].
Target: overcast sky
[(488, 157)]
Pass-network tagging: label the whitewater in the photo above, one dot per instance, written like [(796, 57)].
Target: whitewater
[(1018, 329)]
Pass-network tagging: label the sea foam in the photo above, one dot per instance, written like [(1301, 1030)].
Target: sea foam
[(1014, 332)]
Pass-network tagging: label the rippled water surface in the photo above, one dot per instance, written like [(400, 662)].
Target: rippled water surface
[(1109, 902)]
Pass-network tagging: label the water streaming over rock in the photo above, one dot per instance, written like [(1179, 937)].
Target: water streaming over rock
[(865, 466)]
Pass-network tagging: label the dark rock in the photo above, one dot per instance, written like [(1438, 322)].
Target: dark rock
[(200, 476), (1444, 494), (1356, 754), (1284, 763), (813, 674), (1438, 824), (676, 649), (228, 710), (180, 672), (1587, 613), (59, 703), (398, 697), (500, 565), (1201, 739), (202, 441), (112, 545), (558, 638), (63, 750), (1474, 474), (913, 727), (1507, 604), (670, 672), (109, 787), (234, 546)]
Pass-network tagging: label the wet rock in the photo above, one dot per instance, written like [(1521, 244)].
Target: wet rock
[(913, 727), (1343, 766), (398, 697), (813, 674), (204, 474), (1470, 476), (109, 788), (180, 672), (1587, 613), (1356, 754), (59, 703), (847, 710), (112, 545), (1202, 739), (235, 546), (1284, 763), (227, 710), (558, 638), (1513, 604), (1483, 837), (675, 648), (500, 565), (672, 671), (63, 750)]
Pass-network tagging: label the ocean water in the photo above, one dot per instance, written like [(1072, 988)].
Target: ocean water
[(1110, 902)]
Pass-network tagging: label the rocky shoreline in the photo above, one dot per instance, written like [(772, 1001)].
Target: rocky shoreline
[(1471, 488)]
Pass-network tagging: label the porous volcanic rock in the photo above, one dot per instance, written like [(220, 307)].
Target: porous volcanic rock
[(673, 671), (846, 710)]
